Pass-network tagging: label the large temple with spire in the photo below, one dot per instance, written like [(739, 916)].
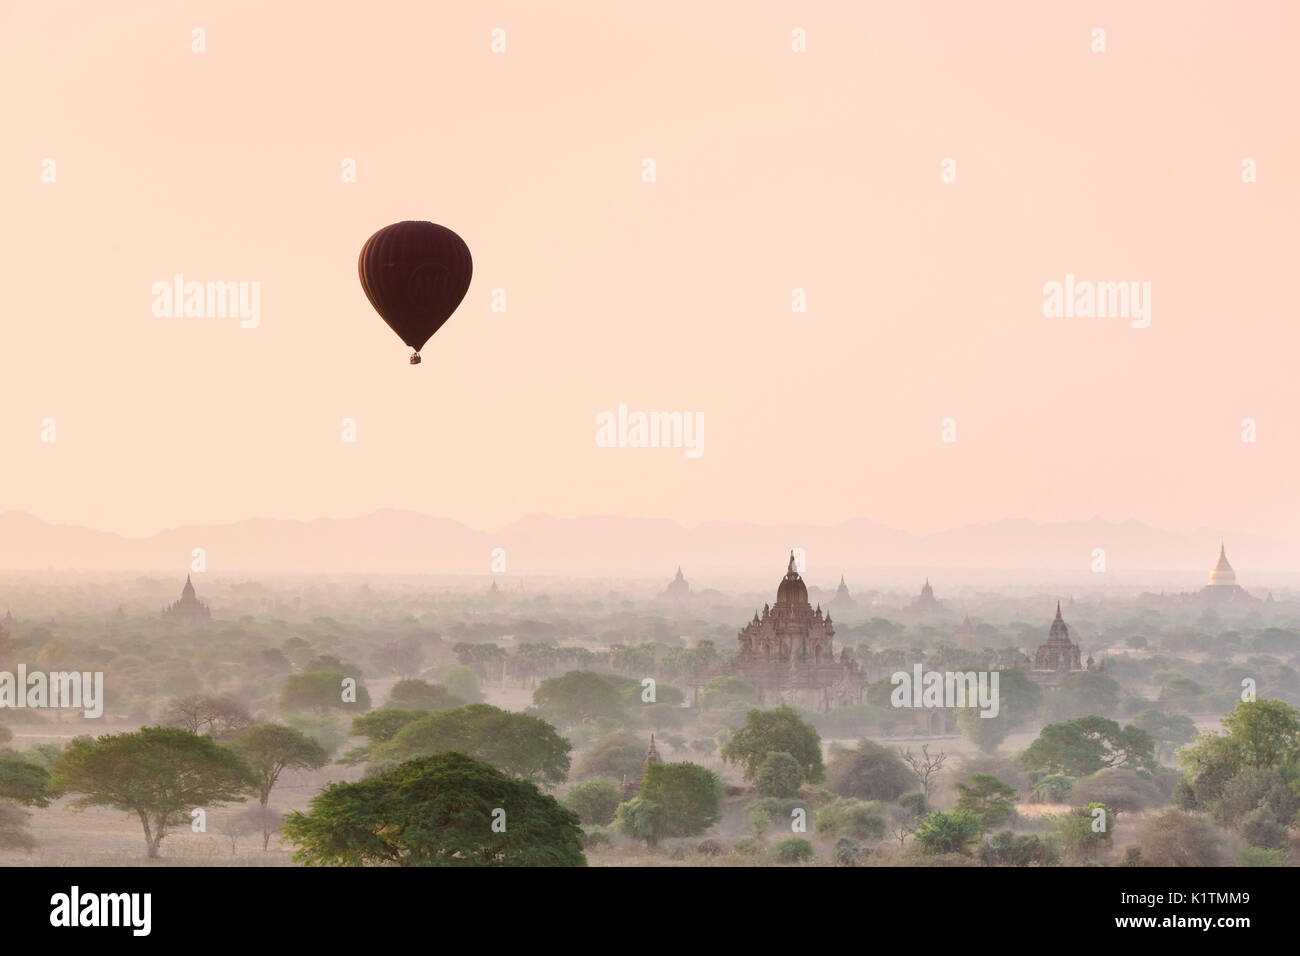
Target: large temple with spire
[(789, 648), (189, 607), (1059, 657)]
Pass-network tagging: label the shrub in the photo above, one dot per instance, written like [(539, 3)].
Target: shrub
[(1175, 838), (794, 850), (848, 853), (1118, 789), (869, 771), (1053, 788), (1262, 829), (948, 832), (710, 848), (748, 846), (852, 818), (1007, 849), (1258, 856)]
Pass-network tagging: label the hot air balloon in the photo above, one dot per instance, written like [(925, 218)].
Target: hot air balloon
[(415, 275)]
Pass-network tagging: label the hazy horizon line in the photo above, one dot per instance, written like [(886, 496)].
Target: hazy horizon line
[(1006, 519)]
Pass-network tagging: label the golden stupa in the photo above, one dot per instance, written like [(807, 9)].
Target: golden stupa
[(1222, 576)]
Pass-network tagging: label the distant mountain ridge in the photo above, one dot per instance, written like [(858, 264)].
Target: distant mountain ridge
[(392, 541)]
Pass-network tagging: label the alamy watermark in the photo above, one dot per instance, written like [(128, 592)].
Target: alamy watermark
[(936, 689), (38, 689), (1102, 300), (208, 300), (627, 429)]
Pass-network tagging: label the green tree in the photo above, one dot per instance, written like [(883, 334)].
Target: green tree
[(24, 782), (442, 810), (1085, 745), (404, 658), (616, 756), (991, 800), (271, 749), (518, 744), (321, 692), (159, 774), (642, 819), (1255, 788), (689, 794), (1260, 733), (1020, 698), (1248, 776), (461, 683), (578, 697), (1169, 731), (378, 727), (421, 695), (986, 733), (779, 775), (594, 801), (782, 731)]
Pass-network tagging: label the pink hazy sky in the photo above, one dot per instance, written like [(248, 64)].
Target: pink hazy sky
[(775, 170)]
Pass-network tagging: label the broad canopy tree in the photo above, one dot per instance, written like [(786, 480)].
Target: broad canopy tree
[(1087, 744), (159, 774), (24, 782), (271, 749), (442, 810), (219, 717), (518, 744)]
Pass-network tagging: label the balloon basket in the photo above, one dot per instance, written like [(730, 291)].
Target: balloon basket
[(415, 358)]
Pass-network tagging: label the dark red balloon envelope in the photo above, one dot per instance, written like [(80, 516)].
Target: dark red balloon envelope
[(415, 274)]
